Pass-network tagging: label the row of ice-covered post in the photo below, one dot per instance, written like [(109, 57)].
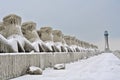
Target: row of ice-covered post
[(16, 36)]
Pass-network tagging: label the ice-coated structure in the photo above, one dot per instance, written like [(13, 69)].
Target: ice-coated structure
[(73, 43), (4, 45), (45, 33), (12, 32), (58, 38), (17, 37), (68, 43), (30, 33)]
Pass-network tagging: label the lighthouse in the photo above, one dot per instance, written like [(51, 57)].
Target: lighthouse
[(106, 42)]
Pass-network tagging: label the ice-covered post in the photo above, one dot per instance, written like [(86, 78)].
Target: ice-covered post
[(63, 40), (12, 24), (72, 38), (73, 43), (45, 33), (79, 43), (58, 38), (67, 39), (29, 31)]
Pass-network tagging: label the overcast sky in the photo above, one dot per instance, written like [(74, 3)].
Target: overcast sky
[(86, 19)]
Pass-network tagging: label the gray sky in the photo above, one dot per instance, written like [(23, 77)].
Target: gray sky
[(86, 19)]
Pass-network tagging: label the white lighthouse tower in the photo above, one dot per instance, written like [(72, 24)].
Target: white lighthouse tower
[(106, 42)]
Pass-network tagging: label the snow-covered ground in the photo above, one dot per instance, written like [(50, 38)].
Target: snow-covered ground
[(102, 67)]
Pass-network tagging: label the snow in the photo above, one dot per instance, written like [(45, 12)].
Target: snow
[(34, 68), (73, 47), (49, 44), (105, 66), (36, 43), (59, 66), (58, 45)]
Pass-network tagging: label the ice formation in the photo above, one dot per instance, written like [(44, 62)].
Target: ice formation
[(46, 35), (57, 38), (30, 33), (15, 37), (12, 32)]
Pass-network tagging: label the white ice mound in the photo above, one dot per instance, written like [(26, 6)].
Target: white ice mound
[(59, 66), (34, 70)]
